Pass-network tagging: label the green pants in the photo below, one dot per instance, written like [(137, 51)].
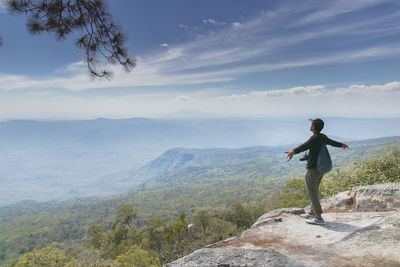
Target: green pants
[(313, 179)]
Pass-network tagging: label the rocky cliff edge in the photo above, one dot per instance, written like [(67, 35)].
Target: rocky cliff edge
[(362, 229)]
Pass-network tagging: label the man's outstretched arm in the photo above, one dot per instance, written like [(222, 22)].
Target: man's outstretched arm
[(300, 148), (289, 154), (336, 143)]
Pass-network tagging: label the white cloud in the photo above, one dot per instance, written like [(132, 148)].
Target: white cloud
[(182, 98), (75, 67), (322, 91), (173, 68), (183, 26), (12, 82), (353, 100), (213, 22), (288, 37), (358, 89), (258, 44), (328, 10), (2, 7), (300, 90)]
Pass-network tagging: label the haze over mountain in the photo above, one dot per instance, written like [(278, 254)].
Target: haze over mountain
[(54, 160)]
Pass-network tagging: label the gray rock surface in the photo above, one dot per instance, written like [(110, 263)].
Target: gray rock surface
[(380, 197), (347, 239), (234, 257), (273, 215), (282, 238)]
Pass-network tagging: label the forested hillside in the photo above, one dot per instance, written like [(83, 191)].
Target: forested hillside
[(59, 160), (206, 185)]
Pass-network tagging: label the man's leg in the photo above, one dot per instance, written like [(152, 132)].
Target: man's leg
[(313, 179)]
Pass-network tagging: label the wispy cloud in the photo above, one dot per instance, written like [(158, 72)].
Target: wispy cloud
[(2, 7), (182, 98), (328, 10), (321, 90), (183, 26), (157, 74), (74, 68), (265, 42), (213, 22), (295, 91), (317, 34), (360, 89), (12, 82), (352, 100)]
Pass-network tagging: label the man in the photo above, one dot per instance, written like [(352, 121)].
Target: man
[(313, 177)]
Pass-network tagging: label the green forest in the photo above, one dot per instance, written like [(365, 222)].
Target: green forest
[(178, 212)]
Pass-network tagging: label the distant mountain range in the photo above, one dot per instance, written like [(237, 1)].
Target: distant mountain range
[(56, 160)]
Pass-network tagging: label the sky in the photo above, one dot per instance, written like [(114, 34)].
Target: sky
[(225, 58)]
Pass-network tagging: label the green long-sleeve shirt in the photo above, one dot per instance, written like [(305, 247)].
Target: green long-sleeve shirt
[(314, 145)]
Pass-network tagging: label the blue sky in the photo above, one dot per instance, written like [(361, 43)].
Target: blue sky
[(226, 58)]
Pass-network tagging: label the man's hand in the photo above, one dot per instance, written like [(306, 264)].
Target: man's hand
[(289, 155), (344, 146)]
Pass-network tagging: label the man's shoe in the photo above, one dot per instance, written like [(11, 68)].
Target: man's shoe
[(307, 215), (316, 221)]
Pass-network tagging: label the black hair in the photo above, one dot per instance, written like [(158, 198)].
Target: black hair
[(318, 124)]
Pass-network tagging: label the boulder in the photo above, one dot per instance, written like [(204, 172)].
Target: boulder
[(379, 197), (342, 202)]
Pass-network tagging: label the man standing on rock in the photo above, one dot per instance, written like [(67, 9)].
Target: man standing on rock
[(313, 177)]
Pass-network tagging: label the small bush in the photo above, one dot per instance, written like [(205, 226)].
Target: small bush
[(377, 171)]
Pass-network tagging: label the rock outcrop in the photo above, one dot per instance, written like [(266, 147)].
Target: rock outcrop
[(380, 197), (232, 256), (342, 202), (362, 229)]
